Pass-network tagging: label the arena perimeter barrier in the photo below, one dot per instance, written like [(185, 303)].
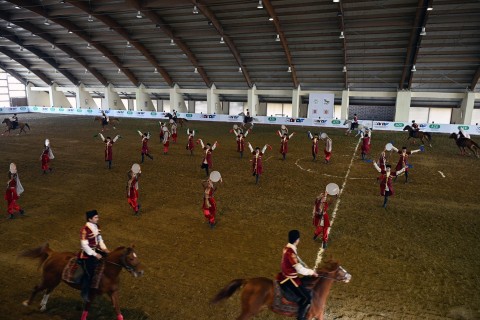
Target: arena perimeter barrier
[(310, 122)]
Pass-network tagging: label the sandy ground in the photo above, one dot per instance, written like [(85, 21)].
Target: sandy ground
[(416, 260)]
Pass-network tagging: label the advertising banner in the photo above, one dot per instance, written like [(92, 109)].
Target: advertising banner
[(321, 105)]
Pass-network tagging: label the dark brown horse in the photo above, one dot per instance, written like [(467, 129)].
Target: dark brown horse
[(418, 135), (463, 143), (21, 126), (112, 122), (53, 264), (258, 292)]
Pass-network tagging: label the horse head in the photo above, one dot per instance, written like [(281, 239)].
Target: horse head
[(128, 259), (346, 122), (334, 271), (453, 136), (6, 120), (407, 127)]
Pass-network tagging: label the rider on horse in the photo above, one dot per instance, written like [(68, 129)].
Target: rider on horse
[(93, 249), (105, 119), (14, 120), (354, 122), (415, 126), (288, 278)]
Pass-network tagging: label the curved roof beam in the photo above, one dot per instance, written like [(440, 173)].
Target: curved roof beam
[(38, 9), (47, 37), (421, 17), (203, 8), (342, 28), (13, 73), (475, 79), (283, 40), (157, 20), (25, 64), (110, 22), (40, 54)]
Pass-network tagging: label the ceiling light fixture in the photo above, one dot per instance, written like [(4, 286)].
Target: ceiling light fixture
[(423, 32), (429, 8), (139, 14), (17, 7), (128, 44), (70, 31), (119, 70), (33, 34), (336, 1), (344, 69), (342, 35), (89, 46), (86, 71), (240, 69), (277, 38), (172, 43), (9, 25), (53, 46), (195, 10), (289, 69), (413, 69), (270, 19), (46, 22), (260, 4), (62, 1), (21, 48), (195, 70), (90, 18), (221, 40), (155, 71)]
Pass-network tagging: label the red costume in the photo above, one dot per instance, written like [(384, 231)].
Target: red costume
[(289, 261), (366, 139), (174, 133), (209, 205), (190, 143), (11, 196), (45, 158), (166, 141), (207, 157), (403, 161), (320, 218), (257, 167), (314, 146), (415, 126), (328, 149), (144, 145), (93, 238), (108, 150), (284, 144), (132, 192), (386, 181)]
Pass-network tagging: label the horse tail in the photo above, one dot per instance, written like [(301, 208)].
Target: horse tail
[(229, 290), (26, 125), (40, 253)]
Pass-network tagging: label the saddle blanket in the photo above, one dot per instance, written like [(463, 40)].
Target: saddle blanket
[(281, 305), (73, 273)]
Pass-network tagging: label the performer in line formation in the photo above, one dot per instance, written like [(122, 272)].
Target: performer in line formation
[(93, 250), (207, 163), (145, 138), (162, 125), (386, 185), (283, 130), (321, 220), (173, 131), (109, 148), (403, 160), (257, 166), (315, 141), (209, 204), (190, 144), (366, 137), (284, 143), (328, 147), (382, 161), (13, 192), (166, 140), (240, 137), (47, 155), (292, 266), (132, 191)]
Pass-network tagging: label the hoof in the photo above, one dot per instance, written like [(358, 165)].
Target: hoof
[(43, 308), (25, 303)]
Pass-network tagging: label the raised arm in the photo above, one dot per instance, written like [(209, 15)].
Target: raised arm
[(235, 132), (264, 148), (415, 151), (246, 133), (214, 145), (250, 147), (377, 167), (394, 149), (201, 143), (116, 138), (279, 133), (290, 136), (309, 134), (140, 133), (101, 137)]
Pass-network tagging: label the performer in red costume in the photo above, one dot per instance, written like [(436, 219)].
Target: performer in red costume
[(328, 147), (145, 138), (13, 192), (132, 191), (403, 160), (173, 131), (240, 137), (109, 148), (93, 249), (284, 143), (46, 156), (209, 204), (315, 140), (161, 131), (366, 137), (166, 140), (190, 144), (207, 163), (257, 166), (386, 185), (321, 220), (292, 266)]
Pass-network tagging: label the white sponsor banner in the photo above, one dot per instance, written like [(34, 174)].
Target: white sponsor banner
[(321, 105), (14, 109)]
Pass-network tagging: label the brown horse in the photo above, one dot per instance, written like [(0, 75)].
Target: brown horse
[(21, 126), (463, 143), (418, 135), (53, 264), (112, 121), (258, 292)]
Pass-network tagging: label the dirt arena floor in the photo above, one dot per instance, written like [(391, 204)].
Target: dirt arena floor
[(419, 259)]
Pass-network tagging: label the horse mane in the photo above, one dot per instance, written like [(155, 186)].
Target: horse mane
[(328, 266)]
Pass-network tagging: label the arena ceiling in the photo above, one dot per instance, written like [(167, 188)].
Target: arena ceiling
[(235, 44)]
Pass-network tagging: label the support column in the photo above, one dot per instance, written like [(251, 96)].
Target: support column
[(57, 98), (402, 106), (252, 101), (83, 98), (36, 98), (463, 115), (345, 104), (213, 103), (296, 99), (112, 99), (176, 100), (144, 102)]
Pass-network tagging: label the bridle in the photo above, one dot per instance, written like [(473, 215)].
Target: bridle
[(345, 277), (124, 263)]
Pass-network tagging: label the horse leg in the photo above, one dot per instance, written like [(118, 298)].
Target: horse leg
[(36, 290), (43, 303), (116, 304)]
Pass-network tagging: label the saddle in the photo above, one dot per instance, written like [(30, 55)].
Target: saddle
[(284, 302), (73, 273)]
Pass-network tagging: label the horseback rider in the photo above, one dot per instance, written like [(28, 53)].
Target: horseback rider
[(93, 250), (14, 120), (105, 118), (288, 278), (462, 134), (354, 122), (247, 118), (175, 116), (415, 126)]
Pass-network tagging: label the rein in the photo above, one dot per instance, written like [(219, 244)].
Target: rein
[(123, 265)]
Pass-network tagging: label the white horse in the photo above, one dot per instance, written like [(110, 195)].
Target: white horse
[(360, 127)]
